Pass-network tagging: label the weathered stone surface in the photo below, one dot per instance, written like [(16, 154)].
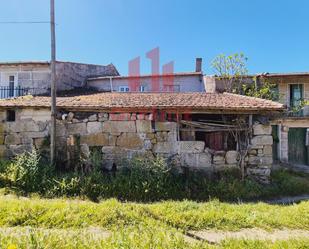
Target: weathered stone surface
[(161, 136), (165, 126), (231, 157), (70, 116), (3, 151), (1, 138), (260, 129), (74, 120), (93, 118), (130, 141), (39, 142), (147, 144), (19, 149), (25, 125), (61, 130), (201, 160), (112, 140), (262, 140), (166, 147), (191, 146), (219, 158), (78, 128), (94, 127), (119, 126), (120, 116), (84, 151), (260, 160), (268, 150), (96, 139), (172, 136), (12, 138), (143, 126), (35, 115), (252, 152)]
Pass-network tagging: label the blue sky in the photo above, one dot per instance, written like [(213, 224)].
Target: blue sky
[(273, 34)]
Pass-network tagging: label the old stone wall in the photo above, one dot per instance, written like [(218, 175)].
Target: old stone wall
[(123, 136)]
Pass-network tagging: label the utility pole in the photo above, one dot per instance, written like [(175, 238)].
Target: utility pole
[(53, 83)]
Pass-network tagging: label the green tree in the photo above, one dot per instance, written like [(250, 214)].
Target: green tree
[(232, 71)]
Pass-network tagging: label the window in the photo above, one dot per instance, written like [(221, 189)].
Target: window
[(124, 89), (11, 85), (296, 94), (142, 88), (10, 115)]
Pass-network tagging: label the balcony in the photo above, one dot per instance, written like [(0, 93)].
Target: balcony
[(7, 92)]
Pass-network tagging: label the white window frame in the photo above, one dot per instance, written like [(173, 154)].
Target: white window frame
[(123, 89)]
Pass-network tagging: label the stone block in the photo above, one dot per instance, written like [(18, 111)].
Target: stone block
[(94, 127), (260, 129), (165, 126), (12, 138), (95, 139), (262, 140), (231, 157), (93, 118), (1, 138), (84, 151), (14, 150), (24, 126), (78, 128), (172, 136), (143, 126), (166, 147), (161, 136), (219, 158), (119, 126), (3, 151), (39, 142), (70, 116), (147, 144), (200, 160), (191, 146), (130, 141), (119, 116), (268, 150)]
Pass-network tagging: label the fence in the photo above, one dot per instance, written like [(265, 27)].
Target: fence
[(11, 92)]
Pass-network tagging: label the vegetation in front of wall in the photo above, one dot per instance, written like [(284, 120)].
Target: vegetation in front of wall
[(141, 179)]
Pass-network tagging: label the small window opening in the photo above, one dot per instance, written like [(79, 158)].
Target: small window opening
[(10, 115)]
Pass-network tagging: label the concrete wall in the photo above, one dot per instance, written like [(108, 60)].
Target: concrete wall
[(37, 76), (123, 136), (185, 83)]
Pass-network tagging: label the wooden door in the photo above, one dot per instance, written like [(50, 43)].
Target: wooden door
[(297, 146)]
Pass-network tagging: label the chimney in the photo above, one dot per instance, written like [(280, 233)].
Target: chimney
[(198, 65)]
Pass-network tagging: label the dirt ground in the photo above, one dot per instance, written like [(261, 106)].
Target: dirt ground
[(213, 236)]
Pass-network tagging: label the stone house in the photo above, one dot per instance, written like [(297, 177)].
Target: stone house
[(290, 130), (33, 77), (166, 82), (204, 131)]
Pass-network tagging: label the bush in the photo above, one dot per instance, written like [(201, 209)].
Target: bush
[(141, 179), (26, 173)]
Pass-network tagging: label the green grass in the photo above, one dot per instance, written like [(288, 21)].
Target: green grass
[(137, 237), (62, 223), (184, 215)]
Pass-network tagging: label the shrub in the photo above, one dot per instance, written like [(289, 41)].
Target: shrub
[(26, 173)]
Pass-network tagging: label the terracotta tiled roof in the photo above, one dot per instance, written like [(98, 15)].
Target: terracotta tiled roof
[(201, 101)]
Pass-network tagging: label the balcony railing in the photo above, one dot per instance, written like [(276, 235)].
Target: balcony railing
[(7, 92)]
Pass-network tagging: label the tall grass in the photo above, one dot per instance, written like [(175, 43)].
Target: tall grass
[(184, 215), (141, 179)]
